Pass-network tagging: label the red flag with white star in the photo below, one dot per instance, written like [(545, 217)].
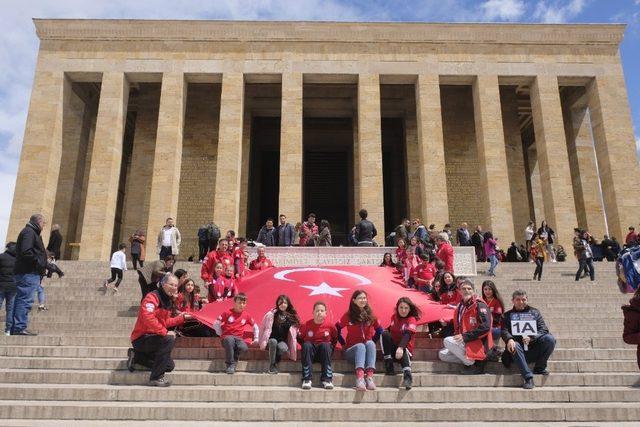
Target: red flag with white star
[(332, 285)]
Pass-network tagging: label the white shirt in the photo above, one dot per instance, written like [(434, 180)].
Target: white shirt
[(528, 233), (119, 260), (166, 238)]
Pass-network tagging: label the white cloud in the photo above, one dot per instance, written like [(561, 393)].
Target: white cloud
[(504, 10), (7, 185), (554, 12)]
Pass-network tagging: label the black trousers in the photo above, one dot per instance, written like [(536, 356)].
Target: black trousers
[(316, 353), (165, 251), (115, 273), (586, 264), (538, 272), (154, 352), (145, 287), (135, 260), (389, 351), (203, 249)]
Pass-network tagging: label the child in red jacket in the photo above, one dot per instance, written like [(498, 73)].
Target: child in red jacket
[(398, 339), (318, 337), (230, 326)]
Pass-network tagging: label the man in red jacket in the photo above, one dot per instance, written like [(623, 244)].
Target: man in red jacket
[(445, 251), (472, 329), (151, 340)]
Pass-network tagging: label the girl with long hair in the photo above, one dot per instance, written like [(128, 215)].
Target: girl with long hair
[(398, 339), (279, 331), (363, 330)]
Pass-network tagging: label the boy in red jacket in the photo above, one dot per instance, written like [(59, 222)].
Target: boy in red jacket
[(318, 337), (230, 327), (152, 341)]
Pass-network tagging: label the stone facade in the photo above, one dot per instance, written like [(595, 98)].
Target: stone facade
[(131, 122)]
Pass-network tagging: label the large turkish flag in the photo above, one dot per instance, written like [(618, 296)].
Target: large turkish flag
[(331, 284)]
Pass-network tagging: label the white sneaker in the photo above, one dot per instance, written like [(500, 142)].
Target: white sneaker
[(306, 385), (8, 333), (328, 385)]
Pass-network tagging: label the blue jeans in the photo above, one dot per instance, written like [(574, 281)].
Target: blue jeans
[(41, 297), (493, 262), (9, 297), (539, 352), (362, 355), (27, 285)]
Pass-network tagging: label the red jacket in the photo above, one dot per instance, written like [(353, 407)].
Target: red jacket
[(451, 296), (239, 260), (497, 310), (445, 254), (182, 306), (473, 320), (401, 325), (308, 232), (260, 264), (631, 332), (222, 288), (154, 316), (360, 332), (209, 264)]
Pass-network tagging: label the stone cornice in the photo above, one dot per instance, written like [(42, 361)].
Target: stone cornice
[(350, 32)]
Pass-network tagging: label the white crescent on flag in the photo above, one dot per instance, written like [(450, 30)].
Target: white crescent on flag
[(282, 275)]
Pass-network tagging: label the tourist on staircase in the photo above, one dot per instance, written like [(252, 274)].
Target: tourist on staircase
[(151, 338), (188, 300), (8, 284), (55, 241), (472, 337), (267, 234), (631, 332), (31, 264), (363, 330), (522, 347), (445, 251), (138, 251), (169, 240), (582, 250), (324, 236), (150, 275), (118, 267), (230, 327), (215, 293), (220, 255), (398, 339), (539, 254), (285, 232), (318, 338), (365, 230), (550, 236), (490, 248), (279, 332), (308, 231)]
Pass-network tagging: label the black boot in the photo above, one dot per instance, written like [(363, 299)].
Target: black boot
[(388, 367), (407, 380), (475, 369)]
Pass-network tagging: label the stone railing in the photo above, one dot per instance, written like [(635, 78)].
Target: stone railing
[(464, 258)]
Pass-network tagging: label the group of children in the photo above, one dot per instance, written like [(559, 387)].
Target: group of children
[(282, 330)]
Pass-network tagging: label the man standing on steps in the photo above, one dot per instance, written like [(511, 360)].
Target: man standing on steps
[(31, 263), (169, 239), (365, 230), (151, 340), (527, 338)]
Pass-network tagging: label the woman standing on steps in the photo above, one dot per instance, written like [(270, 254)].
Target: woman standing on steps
[(538, 253), (279, 332), (490, 246), (363, 330)]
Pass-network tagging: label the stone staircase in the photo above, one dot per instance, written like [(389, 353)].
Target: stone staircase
[(75, 369)]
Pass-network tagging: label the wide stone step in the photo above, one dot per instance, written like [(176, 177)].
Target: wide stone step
[(581, 354), (248, 411), (60, 376), (235, 394), (261, 366)]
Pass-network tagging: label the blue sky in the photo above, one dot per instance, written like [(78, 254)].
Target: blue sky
[(19, 44)]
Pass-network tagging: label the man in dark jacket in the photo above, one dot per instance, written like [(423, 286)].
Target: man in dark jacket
[(267, 234), (631, 332), (365, 230), (524, 347), (285, 233), (8, 284), (31, 263), (463, 238)]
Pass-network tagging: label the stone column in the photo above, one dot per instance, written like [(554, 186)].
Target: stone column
[(433, 180), (167, 160), (515, 162), (551, 146), (37, 181), (369, 152), (615, 150), (244, 179), (494, 176), (583, 168), (413, 166), (227, 191), (291, 148), (104, 176)]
